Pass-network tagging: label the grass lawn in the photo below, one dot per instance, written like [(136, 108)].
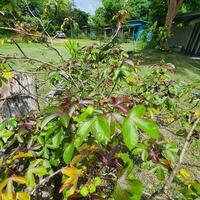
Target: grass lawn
[(185, 66)]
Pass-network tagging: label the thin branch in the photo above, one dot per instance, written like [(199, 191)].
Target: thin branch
[(33, 15), (9, 57), (20, 31), (56, 50), (45, 180), (20, 49), (170, 179), (181, 158), (112, 39)]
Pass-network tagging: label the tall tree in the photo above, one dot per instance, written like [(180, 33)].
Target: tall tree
[(139, 9), (173, 8), (165, 11)]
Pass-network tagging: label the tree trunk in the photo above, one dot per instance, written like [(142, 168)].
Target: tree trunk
[(173, 8), (18, 97)]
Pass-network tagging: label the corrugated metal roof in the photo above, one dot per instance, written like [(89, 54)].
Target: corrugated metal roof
[(187, 18)]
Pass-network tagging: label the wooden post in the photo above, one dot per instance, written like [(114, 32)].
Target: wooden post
[(18, 97)]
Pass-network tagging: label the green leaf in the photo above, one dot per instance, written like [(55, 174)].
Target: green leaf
[(1, 144), (12, 122), (97, 181), (127, 188), (149, 127), (37, 167), (83, 131), (30, 179), (6, 133), (68, 153), (57, 139), (47, 120), (160, 174), (130, 133), (137, 112), (101, 130), (64, 119), (196, 186), (39, 171), (41, 140), (137, 187), (92, 188), (169, 155), (87, 112), (145, 155), (84, 191)]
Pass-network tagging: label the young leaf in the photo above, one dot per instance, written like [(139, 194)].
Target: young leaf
[(185, 173), (92, 188), (19, 179), (8, 75), (160, 174), (73, 174), (3, 184), (22, 155), (84, 191), (87, 112), (77, 159), (130, 133), (6, 133), (97, 181), (23, 196)]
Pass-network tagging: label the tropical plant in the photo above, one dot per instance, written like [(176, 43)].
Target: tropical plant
[(100, 134)]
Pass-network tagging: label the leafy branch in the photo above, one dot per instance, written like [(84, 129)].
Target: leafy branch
[(175, 170)]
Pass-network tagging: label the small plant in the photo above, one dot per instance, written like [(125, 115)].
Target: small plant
[(73, 48)]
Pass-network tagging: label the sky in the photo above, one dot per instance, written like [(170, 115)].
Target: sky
[(88, 5)]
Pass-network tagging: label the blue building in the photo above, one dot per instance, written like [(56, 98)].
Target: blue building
[(136, 28)]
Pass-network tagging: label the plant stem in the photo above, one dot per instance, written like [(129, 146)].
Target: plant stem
[(170, 179)]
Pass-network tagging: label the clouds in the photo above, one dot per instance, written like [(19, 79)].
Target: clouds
[(88, 5)]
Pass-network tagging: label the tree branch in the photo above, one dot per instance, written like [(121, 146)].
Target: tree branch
[(43, 181), (170, 179), (9, 57), (180, 161)]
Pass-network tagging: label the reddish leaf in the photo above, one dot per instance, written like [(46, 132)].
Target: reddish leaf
[(154, 154), (121, 100), (122, 108)]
